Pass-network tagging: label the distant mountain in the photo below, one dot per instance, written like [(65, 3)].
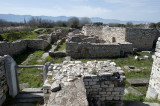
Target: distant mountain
[(21, 18)]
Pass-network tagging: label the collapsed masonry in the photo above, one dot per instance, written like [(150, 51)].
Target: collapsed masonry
[(154, 83), (99, 81), (99, 41)]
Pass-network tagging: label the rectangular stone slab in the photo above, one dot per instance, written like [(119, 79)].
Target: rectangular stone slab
[(29, 95), (139, 82), (27, 100), (32, 90)]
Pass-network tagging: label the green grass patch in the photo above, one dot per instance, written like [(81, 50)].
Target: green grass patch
[(126, 61), (13, 36), (62, 47), (63, 27), (36, 56), (31, 76), (131, 97), (53, 59), (138, 74), (142, 89)]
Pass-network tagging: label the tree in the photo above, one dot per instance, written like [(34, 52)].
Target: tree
[(74, 22), (84, 20), (129, 24)]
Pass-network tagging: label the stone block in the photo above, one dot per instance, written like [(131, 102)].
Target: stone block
[(108, 93), (88, 80), (118, 89), (109, 98), (95, 86), (109, 89), (95, 80), (102, 93), (115, 93), (116, 98), (151, 93), (92, 83)]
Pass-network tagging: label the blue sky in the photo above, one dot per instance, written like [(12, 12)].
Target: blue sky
[(140, 10)]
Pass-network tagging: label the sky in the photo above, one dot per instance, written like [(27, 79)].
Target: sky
[(125, 10)]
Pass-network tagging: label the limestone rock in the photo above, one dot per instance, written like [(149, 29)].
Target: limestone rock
[(55, 86)]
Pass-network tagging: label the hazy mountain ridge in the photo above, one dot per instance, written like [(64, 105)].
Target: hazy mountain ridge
[(21, 18)]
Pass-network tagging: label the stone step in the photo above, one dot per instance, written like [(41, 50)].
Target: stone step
[(32, 90), (29, 95), (139, 82), (133, 91), (28, 100), (24, 104)]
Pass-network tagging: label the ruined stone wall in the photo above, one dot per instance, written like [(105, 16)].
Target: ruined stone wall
[(59, 34), (37, 44), (92, 50), (17, 47), (105, 87), (90, 30), (126, 47), (154, 83), (104, 82), (113, 34), (12, 48), (141, 38), (3, 81)]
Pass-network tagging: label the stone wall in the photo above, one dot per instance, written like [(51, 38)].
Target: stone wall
[(105, 87), (3, 81), (92, 47), (17, 47), (154, 83), (92, 50), (90, 30), (113, 34), (142, 39), (12, 48), (38, 44)]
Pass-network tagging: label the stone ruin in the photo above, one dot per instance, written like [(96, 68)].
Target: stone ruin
[(154, 83), (100, 82), (81, 46), (99, 41), (42, 42)]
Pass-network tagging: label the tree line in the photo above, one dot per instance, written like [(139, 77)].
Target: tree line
[(74, 22)]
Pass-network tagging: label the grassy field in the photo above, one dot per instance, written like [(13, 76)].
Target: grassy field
[(13, 36)]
